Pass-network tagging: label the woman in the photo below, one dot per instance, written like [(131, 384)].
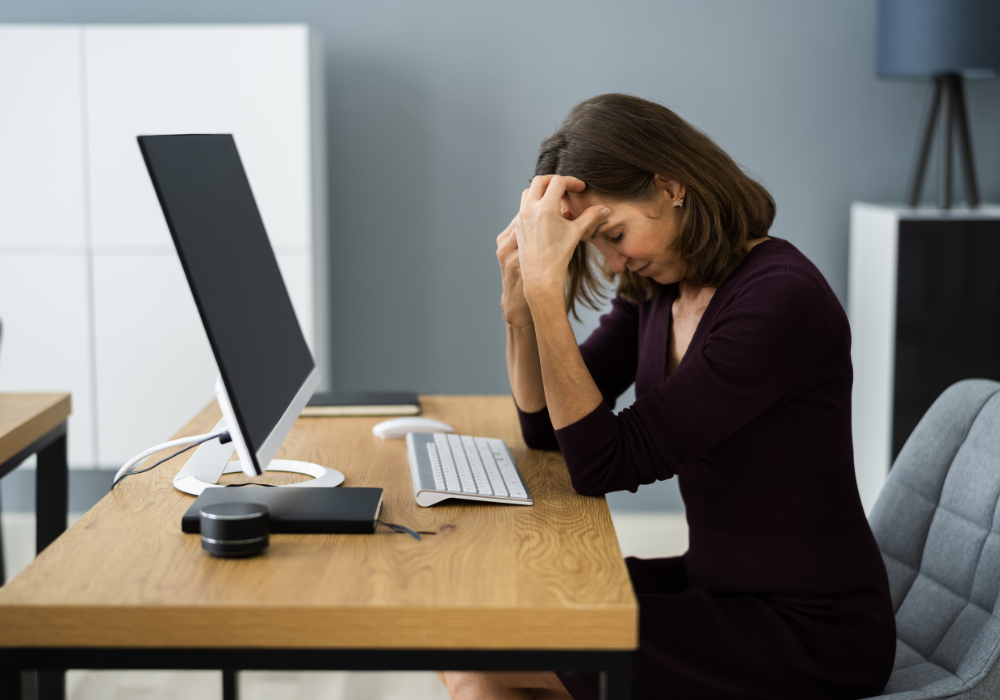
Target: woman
[(740, 354)]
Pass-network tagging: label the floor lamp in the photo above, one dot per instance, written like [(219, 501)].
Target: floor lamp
[(949, 41)]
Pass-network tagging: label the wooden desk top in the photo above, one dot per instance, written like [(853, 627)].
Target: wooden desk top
[(24, 418), (548, 576)]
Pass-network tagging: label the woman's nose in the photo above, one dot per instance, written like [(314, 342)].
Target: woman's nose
[(618, 262)]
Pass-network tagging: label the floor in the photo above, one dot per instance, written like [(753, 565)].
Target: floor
[(639, 534)]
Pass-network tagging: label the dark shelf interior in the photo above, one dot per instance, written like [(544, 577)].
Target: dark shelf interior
[(947, 313)]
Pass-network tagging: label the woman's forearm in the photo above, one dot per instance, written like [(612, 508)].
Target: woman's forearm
[(524, 369), (570, 391)]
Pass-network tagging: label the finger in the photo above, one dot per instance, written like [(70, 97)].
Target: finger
[(574, 184), (539, 184), (586, 224), (509, 242), (524, 197), (556, 189)]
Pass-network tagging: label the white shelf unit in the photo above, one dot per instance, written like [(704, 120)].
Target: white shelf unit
[(873, 308), (92, 296)]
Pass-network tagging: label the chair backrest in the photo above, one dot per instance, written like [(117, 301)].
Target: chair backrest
[(937, 522)]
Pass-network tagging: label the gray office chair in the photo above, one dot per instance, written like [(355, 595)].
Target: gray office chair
[(937, 522)]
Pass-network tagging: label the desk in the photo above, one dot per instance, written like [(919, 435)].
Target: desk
[(36, 424), (498, 587)]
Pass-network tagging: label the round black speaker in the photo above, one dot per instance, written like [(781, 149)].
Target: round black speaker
[(235, 529)]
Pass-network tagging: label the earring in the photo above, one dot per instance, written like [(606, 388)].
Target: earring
[(680, 203)]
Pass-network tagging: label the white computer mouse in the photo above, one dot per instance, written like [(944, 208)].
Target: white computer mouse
[(399, 427)]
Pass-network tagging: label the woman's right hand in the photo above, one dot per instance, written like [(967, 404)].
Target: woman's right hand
[(512, 301)]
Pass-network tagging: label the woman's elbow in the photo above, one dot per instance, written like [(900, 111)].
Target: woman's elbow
[(587, 485), (540, 442)]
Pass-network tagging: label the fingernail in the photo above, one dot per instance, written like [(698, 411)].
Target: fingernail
[(604, 212)]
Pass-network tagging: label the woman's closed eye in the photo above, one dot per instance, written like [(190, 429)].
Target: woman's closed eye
[(618, 238)]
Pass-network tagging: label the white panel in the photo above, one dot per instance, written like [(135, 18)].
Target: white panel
[(46, 337), (155, 368), (250, 81), (41, 136), (296, 269), (871, 307)]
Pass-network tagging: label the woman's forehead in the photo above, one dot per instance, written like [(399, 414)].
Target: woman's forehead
[(576, 202)]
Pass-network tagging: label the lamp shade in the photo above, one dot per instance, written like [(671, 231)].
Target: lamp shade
[(919, 38)]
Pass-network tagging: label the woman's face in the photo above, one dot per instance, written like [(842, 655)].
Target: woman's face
[(637, 236)]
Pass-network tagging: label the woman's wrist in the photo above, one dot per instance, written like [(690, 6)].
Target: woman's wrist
[(519, 317), (545, 298)]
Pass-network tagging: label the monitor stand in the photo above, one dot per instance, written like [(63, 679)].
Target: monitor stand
[(211, 460)]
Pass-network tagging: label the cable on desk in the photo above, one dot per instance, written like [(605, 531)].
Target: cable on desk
[(223, 438), (404, 530)]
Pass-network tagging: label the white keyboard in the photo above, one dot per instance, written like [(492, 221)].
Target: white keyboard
[(461, 466)]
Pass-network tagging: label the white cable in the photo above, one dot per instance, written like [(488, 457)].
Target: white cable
[(165, 446)]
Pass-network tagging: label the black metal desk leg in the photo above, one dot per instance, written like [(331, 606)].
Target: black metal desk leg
[(51, 506), (51, 493), (616, 681), (230, 684), (10, 682)]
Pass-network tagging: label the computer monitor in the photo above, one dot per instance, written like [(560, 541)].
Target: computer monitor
[(267, 373)]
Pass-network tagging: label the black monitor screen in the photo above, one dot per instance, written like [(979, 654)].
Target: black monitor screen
[(233, 274)]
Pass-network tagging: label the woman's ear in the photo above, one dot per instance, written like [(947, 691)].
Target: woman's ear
[(671, 191)]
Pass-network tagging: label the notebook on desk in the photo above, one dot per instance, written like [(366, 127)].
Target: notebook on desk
[(362, 403), (296, 510)]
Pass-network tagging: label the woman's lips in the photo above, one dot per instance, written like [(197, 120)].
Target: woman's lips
[(643, 270)]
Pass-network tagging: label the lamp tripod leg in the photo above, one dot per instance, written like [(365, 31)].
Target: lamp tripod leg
[(944, 162), (964, 143), (924, 147)]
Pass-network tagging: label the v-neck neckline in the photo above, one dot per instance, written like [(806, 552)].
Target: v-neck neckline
[(695, 338)]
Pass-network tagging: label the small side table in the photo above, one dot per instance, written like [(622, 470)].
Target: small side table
[(36, 424)]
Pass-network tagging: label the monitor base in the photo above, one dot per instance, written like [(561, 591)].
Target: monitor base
[(211, 460)]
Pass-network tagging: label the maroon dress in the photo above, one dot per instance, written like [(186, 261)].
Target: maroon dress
[(782, 593)]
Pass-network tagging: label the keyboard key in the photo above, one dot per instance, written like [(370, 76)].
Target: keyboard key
[(462, 462), (507, 469), (447, 463), (496, 481), (436, 467), (478, 470)]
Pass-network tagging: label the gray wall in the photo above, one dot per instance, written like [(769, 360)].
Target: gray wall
[(437, 107), (436, 110)]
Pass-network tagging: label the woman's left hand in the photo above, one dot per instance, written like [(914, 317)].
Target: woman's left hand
[(545, 239)]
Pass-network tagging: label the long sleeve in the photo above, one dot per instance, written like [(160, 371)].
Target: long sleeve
[(760, 348), (611, 355)]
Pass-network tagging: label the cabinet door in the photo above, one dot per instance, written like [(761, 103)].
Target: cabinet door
[(155, 368), (252, 82), (46, 344), (41, 137)]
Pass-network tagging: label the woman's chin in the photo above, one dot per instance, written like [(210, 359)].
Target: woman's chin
[(667, 278)]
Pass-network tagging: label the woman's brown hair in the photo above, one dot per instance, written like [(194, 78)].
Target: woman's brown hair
[(618, 144)]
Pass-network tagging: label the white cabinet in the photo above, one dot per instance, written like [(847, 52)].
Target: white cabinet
[(252, 82), (154, 366), (923, 296), (41, 138), (72, 181), (46, 342)]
